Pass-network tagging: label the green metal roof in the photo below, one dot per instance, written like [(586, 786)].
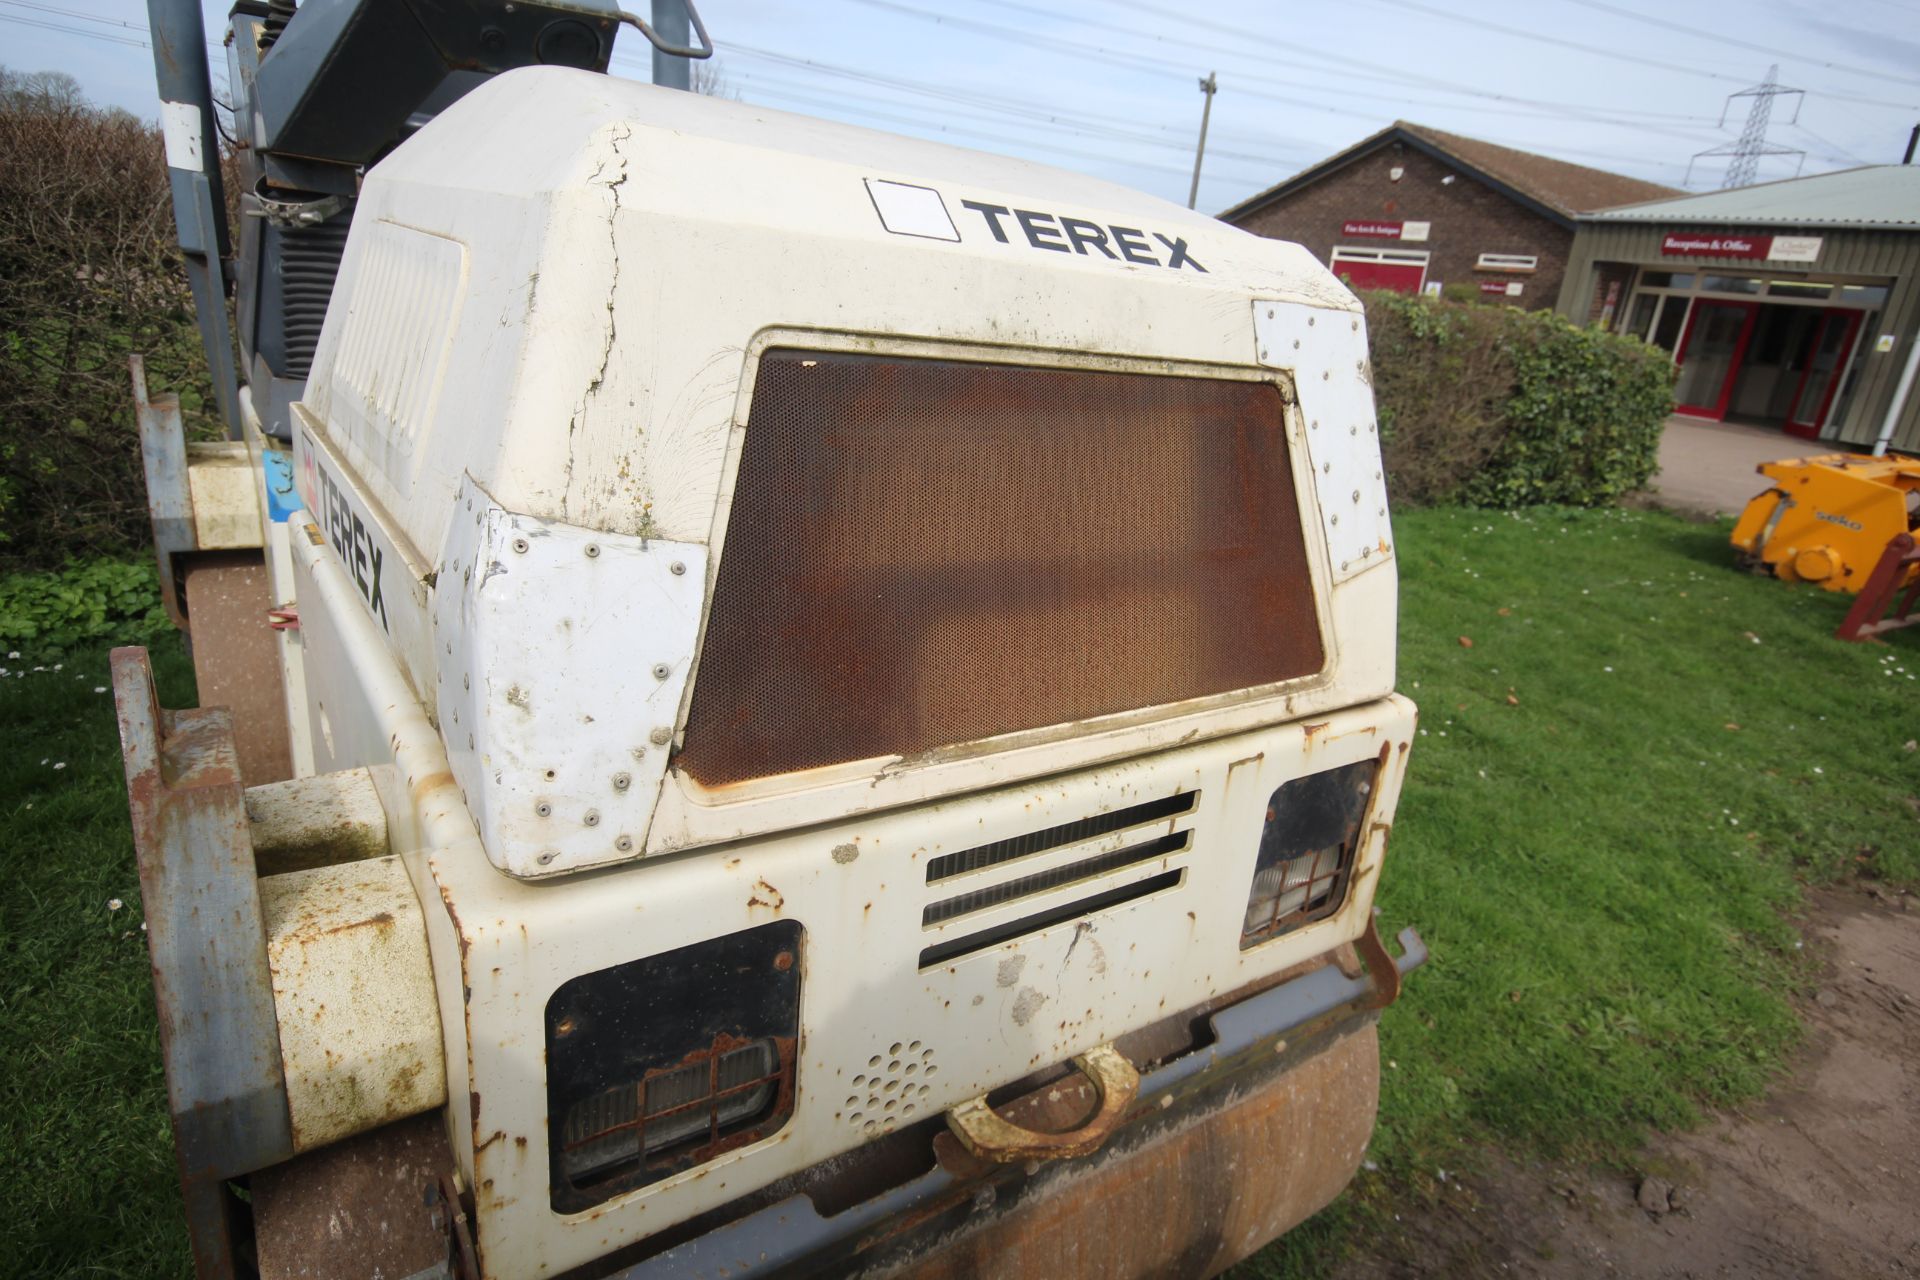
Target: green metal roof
[(1881, 195)]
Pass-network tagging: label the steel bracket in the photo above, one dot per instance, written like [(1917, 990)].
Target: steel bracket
[(219, 1036)]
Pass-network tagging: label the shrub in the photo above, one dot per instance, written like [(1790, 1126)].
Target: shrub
[(1495, 406), (88, 275), (89, 602)]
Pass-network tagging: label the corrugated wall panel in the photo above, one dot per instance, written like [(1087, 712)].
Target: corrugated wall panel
[(1885, 255)]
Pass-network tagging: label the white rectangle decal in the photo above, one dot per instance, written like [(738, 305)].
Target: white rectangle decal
[(180, 126), (907, 210)]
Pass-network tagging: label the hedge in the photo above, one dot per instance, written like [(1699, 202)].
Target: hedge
[(1497, 407)]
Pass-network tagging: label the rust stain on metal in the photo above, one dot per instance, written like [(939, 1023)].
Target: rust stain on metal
[(421, 788), (765, 895)]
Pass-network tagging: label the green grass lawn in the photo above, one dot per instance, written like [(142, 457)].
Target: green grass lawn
[(88, 1180), (1616, 794), (1618, 790)]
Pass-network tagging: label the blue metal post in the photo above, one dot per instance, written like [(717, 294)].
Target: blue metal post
[(193, 173)]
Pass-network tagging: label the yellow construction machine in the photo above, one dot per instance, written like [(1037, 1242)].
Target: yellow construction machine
[(1845, 522)]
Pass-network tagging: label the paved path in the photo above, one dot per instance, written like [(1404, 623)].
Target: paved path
[(1709, 466)]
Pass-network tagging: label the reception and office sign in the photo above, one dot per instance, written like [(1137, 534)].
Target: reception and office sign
[(1741, 248)]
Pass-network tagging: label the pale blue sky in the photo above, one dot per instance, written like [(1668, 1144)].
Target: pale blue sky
[(1109, 87)]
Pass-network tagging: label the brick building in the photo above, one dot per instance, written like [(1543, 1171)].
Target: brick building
[(1413, 209)]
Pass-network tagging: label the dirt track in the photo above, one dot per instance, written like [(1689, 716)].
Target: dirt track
[(1821, 1178)]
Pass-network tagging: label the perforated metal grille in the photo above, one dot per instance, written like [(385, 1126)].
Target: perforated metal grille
[(924, 553)]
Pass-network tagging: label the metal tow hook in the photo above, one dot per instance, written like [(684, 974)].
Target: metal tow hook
[(988, 1135)]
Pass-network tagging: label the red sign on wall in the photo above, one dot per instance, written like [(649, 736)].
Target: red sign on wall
[(1742, 248), (1752, 248), (1370, 230)]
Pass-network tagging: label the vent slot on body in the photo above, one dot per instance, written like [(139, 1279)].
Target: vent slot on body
[(927, 553), (948, 865), (953, 948), (1028, 886), (1138, 851)]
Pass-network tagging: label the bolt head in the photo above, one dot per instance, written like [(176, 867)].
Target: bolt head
[(544, 809), (592, 818), (678, 567), (593, 551), (621, 781), (520, 545), (661, 671), (547, 856), (660, 737)]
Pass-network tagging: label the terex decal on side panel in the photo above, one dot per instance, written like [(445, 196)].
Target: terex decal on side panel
[(355, 538), (907, 209)]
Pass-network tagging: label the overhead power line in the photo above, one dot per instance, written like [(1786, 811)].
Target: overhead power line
[(1051, 122), (78, 15), (1375, 71), (958, 131), (103, 37), (1668, 26), (1414, 6), (1241, 79)]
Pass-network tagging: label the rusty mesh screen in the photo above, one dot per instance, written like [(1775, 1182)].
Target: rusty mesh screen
[(929, 552)]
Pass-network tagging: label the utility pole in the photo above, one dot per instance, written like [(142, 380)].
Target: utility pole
[(1912, 138), (1743, 166), (670, 20), (1207, 87)]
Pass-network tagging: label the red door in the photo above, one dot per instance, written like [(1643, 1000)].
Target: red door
[(1400, 274), (1826, 364), (1709, 356)]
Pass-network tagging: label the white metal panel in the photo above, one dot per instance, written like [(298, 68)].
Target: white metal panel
[(397, 333), (563, 657), (859, 889), (1327, 353)]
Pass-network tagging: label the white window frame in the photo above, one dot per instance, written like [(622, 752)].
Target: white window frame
[(1518, 263)]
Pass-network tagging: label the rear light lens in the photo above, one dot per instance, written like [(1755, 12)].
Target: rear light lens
[(1307, 850), (698, 1103), (661, 1064)]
